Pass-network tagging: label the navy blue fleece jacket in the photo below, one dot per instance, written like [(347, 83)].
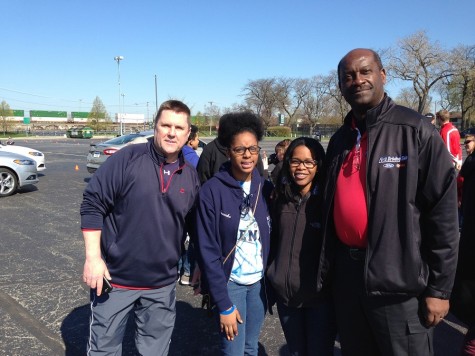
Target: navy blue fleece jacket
[(218, 215), (142, 220)]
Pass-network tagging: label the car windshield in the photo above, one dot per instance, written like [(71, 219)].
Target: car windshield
[(122, 139)]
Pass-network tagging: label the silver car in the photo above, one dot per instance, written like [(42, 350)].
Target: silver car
[(16, 171), (98, 153)]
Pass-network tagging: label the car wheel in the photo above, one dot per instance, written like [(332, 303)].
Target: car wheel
[(8, 182)]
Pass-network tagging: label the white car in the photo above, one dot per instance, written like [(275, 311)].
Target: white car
[(31, 153), (16, 171)]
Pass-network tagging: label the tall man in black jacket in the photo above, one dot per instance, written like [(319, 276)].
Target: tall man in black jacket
[(391, 230)]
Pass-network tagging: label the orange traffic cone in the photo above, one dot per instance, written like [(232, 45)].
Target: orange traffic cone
[(76, 168)]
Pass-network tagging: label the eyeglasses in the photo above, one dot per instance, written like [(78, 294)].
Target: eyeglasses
[(241, 150), (467, 142), (294, 162)]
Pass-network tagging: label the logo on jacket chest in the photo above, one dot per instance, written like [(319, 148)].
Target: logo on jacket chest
[(393, 161)]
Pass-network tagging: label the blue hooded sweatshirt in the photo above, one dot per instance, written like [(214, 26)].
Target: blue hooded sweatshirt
[(218, 215)]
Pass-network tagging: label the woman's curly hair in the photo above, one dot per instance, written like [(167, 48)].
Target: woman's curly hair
[(235, 123)]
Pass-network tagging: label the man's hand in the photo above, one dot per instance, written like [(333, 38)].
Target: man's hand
[(436, 310), (228, 324), (94, 270)]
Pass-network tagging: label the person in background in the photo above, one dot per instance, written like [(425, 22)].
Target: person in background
[(277, 158), (307, 317), (133, 218), (451, 137), (233, 235), (430, 117), (265, 164), (189, 150), (187, 260), (390, 219), (213, 156), (463, 297), (10, 141)]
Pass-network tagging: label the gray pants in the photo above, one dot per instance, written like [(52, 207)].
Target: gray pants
[(154, 316)]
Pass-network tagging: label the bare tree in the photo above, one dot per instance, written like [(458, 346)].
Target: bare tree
[(315, 105), (5, 115), (459, 90), (290, 94), (212, 114), (332, 89), (408, 98), (260, 97), (421, 62)]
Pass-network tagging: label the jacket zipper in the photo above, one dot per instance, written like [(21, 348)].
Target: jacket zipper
[(367, 196), (292, 242), (162, 180)]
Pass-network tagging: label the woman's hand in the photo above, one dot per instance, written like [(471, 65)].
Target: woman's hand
[(228, 324)]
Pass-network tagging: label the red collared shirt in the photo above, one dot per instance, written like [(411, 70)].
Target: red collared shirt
[(350, 211)]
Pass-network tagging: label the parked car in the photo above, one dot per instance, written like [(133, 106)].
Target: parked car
[(469, 131), (317, 135), (98, 153), (80, 132), (16, 171), (31, 153)]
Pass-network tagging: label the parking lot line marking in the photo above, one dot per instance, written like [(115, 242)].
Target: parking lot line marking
[(33, 326)]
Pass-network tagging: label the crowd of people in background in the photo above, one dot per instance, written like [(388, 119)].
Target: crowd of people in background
[(359, 243)]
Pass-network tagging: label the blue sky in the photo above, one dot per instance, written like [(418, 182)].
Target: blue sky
[(59, 54)]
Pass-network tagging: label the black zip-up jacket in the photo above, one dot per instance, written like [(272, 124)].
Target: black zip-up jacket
[(412, 204), (295, 247)]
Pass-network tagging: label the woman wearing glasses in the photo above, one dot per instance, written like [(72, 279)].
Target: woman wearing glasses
[(307, 317), (233, 232)]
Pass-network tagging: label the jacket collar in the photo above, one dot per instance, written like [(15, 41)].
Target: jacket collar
[(159, 158), (374, 114)]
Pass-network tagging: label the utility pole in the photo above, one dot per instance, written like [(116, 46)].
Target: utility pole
[(148, 116), (211, 116)]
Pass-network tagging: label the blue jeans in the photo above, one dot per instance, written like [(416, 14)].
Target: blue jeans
[(251, 304), (186, 263), (309, 331)]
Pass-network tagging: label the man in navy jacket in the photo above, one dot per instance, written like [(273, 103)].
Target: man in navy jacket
[(133, 218)]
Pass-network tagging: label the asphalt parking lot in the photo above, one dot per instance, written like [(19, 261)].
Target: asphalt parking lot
[(44, 307)]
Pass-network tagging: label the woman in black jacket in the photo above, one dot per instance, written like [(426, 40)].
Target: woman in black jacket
[(307, 317)]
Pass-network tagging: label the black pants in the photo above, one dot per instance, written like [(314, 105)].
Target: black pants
[(374, 325)]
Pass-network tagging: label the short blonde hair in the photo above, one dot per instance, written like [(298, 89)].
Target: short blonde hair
[(444, 115)]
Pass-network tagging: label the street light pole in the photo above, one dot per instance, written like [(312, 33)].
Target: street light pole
[(211, 119), (118, 59), (156, 97), (124, 115)]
